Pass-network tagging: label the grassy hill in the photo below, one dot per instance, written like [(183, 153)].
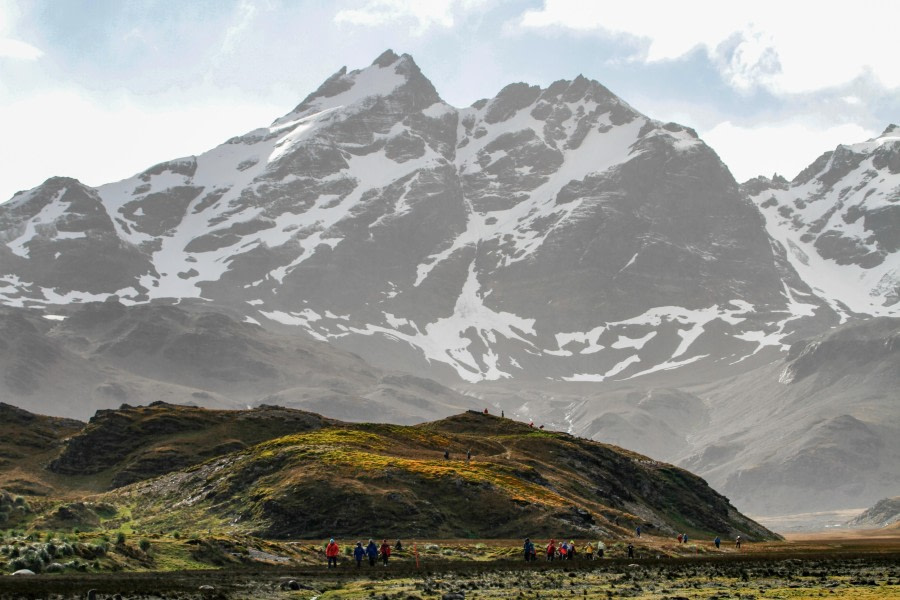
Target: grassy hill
[(27, 443), (283, 474), (391, 480), (130, 444)]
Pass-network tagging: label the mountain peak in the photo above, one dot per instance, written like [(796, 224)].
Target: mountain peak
[(386, 58), (389, 57), (891, 130), (387, 73)]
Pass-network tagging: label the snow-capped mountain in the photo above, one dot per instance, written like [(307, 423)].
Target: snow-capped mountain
[(550, 251), (542, 233), (838, 223)]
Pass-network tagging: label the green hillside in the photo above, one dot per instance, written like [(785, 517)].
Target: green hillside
[(390, 480)]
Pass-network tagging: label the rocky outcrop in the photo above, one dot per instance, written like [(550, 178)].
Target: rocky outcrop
[(885, 513)]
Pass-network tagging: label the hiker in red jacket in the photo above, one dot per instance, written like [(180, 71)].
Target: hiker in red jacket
[(385, 552), (331, 551), (551, 550)]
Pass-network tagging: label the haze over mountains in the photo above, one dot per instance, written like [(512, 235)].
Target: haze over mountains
[(549, 251)]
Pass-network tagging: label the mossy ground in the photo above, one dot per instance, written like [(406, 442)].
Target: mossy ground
[(762, 573)]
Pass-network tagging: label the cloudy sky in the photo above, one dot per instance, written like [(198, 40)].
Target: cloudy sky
[(101, 89)]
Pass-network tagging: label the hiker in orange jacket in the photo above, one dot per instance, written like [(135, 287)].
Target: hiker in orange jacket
[(331, 551)]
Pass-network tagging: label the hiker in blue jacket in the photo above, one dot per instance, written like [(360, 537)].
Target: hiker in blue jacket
[(358, 553), (372, 552)]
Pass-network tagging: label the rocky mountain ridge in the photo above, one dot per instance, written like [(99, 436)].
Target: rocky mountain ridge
[(838, 224), (543, 233), (551, 251)]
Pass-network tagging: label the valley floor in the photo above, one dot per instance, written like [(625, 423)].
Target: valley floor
[(857, 564), (809, 522)]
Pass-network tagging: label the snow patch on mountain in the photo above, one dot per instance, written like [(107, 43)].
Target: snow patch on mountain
[(362, 85), (597, 153), (36, 224), (834, 222), (448, 340)]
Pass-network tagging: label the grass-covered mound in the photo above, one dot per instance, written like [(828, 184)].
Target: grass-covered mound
[(27, 442), (388, 481), (130, 444)]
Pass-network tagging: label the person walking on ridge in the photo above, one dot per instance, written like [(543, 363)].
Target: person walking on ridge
[(630, 550), (551, 550), (358, 553), (717, 542), (331, 552)]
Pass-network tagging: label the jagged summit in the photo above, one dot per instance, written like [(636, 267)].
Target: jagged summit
[(842, 211), (389, 75), (376, 212), (388, 57)]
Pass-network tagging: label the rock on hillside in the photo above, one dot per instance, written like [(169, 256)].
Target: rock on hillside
[(365, 479), (886, 513)]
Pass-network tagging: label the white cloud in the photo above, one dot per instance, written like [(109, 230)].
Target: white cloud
[(245, 14), (786, 148), (787, 47), (10, 47), (17, 49), (424, 14), (69, 133)]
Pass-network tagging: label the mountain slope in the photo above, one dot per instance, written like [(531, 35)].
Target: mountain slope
[(885, 513), (98, 355), (543, 233), (27, 442), (838, 223), (133, 444), (551, 251), (815, 430), (355, 479)]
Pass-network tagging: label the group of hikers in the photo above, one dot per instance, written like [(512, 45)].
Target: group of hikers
[(554, 551), (371, 552), (567, 551)]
